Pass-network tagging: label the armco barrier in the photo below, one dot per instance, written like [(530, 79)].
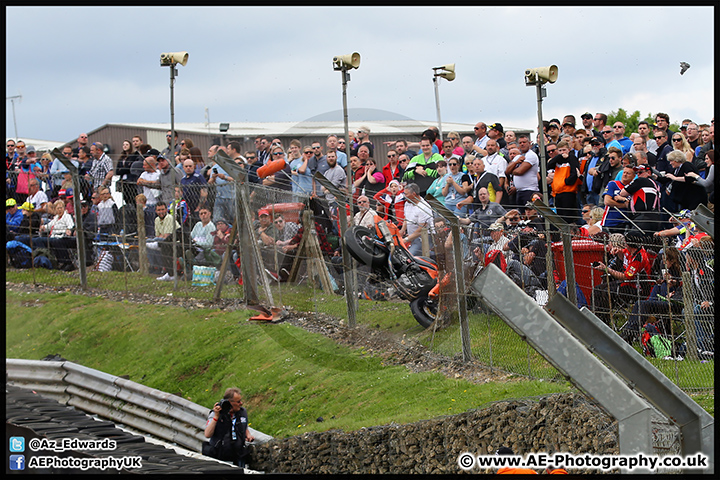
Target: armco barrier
[(148, 410)]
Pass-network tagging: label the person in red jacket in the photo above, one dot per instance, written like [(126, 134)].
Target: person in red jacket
[(391, 203)]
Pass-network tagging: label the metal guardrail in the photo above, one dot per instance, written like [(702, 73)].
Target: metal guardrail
[(148, 410)]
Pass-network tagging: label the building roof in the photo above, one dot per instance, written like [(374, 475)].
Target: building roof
[(235, 129)]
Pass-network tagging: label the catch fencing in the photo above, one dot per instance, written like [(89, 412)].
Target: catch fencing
[(292, 257)]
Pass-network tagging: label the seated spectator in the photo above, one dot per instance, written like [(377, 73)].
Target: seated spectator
[(57, 231), (221, 236), (458, 187), (13, 217), (203, 239), (159, 255), (30, 224), (621, 283), (391, 203)]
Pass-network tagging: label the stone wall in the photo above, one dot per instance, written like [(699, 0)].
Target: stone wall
[(557, 423)]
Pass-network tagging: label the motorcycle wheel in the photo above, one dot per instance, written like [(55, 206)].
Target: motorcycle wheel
[(424, 310), (364, 252)]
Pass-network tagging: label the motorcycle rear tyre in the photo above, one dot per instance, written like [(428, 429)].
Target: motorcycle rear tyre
[(424, 311), (370, 255)]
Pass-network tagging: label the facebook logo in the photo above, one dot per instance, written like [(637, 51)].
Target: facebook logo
[(17, 462), (17, 444)]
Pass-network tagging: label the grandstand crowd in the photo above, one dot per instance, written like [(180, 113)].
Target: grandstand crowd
[(633, 192)]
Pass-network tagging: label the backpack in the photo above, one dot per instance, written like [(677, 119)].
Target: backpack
[(19, 254), (654, 344), (43, 257)]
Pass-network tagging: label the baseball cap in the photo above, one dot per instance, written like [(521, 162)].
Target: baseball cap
[(641, 167), (30, 149), (27, 206), (263, 211), (497, 126), (496, 227), (153, 152), (10, 202), (595, 141), (586, 115), (685, 213)]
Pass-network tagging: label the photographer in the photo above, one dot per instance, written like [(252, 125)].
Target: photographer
[(227, 429)]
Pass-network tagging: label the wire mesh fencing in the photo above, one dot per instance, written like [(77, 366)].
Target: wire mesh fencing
[(189, 233)]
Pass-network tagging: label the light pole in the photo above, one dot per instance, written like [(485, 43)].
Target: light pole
[(448, 73), (343, 63), (12, 101), (539, 77), (171, 60)]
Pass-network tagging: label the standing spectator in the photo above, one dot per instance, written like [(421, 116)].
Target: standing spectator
[(486, 212), (169, 179), (619, 137), (422, 169), (644, 194), (436, 188), (664, 147), (680, 143), (82, 142), (662, 122), (331, 143), (640, 146), (607, 170), (194, 188), (496, 164), (173, 148), (613, 220), (599, 123), (418, 215), (281, 179), (303, 169), (456, 189), (107, 213), (102, 171), (336, 175), (11, 155), (709, 181), (123, 167), (391, 170), (363, 136), (683, 193), (644, 134), (224, 206), (563, 177), (401, 146), (371, 181), (524, 169), (481, 139)]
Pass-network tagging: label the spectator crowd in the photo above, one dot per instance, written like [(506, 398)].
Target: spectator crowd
[(631, 191)]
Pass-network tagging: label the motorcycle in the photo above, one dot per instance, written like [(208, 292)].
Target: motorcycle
[(414, 278)]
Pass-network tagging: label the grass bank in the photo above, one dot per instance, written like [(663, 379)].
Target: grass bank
[(290, 377)]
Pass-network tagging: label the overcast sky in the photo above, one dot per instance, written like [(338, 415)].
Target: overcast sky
[(78, 68)]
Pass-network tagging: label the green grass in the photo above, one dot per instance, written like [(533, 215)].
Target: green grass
[(196, 354), (289, 376)]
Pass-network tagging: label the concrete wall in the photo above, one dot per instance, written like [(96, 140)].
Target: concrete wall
[(557, 423)]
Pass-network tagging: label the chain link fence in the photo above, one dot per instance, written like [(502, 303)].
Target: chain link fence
[(188, 235)]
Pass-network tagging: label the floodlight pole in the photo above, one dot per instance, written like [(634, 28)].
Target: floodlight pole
[(437, 106), (541, 93), (348, 271), (173, 72)]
